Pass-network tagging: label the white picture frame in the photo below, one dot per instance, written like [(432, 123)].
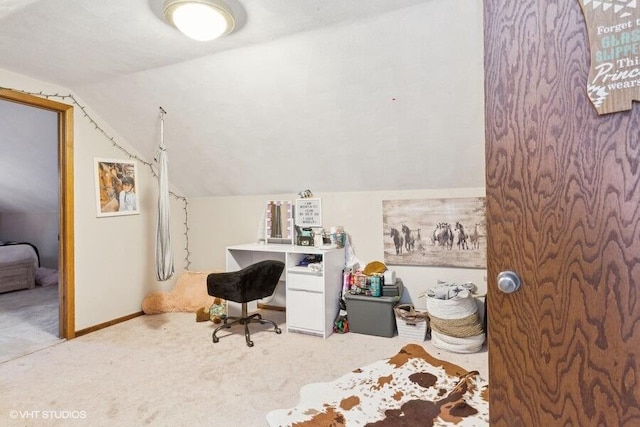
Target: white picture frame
[(308, 213), (112, 199)]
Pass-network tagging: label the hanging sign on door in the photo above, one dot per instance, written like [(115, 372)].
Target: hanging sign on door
[(614, 37)]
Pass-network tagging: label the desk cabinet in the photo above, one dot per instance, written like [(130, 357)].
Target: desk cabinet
[(312, 297)]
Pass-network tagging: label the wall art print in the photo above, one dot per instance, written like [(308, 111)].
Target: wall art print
[(116, 183), (435, 232)]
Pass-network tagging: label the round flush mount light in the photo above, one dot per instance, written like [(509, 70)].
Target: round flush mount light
[(201, 20)]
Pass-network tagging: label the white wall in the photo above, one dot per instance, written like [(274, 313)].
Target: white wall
[(217, 222), (114, 256)]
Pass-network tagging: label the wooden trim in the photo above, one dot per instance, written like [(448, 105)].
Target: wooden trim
[(66, 203), (271, 307), (33, 101), (99, 326), (67, 221)]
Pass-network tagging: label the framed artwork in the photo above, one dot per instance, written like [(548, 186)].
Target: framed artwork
[(435, 232), (116, 182)]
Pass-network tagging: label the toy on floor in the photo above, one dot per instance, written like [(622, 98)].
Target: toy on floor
[(202, 315), (341, 324), (218, 311)]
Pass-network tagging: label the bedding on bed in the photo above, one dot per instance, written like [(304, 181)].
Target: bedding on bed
[(46, 276), (18, 264), (18, 251)]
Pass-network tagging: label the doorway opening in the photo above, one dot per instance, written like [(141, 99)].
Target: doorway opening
[(66, 267)]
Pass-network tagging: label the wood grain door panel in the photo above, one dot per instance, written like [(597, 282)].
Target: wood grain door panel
[(563, 211)]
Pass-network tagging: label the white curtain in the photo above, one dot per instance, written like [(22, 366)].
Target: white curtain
[(164, 255)]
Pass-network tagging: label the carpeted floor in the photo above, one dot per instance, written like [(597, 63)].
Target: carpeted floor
[(163, 370), (29, 320)]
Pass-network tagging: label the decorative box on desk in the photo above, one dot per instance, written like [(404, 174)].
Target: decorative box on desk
[(304, 236), (372, 315)]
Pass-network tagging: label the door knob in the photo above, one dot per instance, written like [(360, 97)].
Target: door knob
[(508, 282)]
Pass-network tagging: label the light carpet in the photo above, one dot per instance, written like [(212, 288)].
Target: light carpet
[(163, 370), (411, 388), (29, 320)]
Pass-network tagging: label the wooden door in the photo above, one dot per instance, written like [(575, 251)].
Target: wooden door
[(563, 211)]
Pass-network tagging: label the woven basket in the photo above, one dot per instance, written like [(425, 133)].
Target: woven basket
[(454, 308), (457, 345), (408, 313), (411, 323), (455, 324)]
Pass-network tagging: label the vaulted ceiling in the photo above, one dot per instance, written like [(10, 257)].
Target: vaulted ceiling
[(329, 95)]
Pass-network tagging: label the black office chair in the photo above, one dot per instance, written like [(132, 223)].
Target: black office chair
[(254, 282)]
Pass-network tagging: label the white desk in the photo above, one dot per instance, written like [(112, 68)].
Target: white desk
[(311, 297)]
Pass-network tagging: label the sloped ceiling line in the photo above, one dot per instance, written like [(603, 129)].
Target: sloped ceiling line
[(334, 95), (131, 156)]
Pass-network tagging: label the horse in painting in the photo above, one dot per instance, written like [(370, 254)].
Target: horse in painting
[(397, 240), (462, 236), (409, 240), (110, 187), (443, 235), (474, 237)]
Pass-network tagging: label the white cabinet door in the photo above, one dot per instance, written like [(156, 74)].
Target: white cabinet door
[(305, 312)]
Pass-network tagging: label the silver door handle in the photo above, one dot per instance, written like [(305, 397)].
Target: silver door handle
[(508, 282)]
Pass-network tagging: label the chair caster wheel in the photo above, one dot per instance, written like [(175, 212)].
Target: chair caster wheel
[(249, 343), (216, 339), (278, 330)]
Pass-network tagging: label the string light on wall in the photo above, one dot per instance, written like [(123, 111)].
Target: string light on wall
[(125, 151), (201, 20)]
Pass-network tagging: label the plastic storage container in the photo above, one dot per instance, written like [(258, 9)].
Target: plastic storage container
[(371, 315), (392, 290)]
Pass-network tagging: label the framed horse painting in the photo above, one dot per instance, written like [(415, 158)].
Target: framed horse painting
[(435, 232), (116, 182)]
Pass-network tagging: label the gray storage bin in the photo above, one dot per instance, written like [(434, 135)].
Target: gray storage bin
[(394, 290), (371, 315)]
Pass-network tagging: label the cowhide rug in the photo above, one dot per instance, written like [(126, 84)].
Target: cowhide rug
[(411, 388)]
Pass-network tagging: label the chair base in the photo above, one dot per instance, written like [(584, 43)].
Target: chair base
[(244, 319)]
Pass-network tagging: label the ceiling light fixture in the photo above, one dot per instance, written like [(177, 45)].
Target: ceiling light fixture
[(201, 20)]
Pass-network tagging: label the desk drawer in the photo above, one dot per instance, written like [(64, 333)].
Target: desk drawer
[(305, 281), (305, 312)]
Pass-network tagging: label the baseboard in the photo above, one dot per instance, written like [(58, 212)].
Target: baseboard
[(94, 328), (271, 307)]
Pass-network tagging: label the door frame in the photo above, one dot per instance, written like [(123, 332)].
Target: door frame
[(66, 264)]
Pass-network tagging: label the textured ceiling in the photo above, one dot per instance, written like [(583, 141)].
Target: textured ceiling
[(330, 95)]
